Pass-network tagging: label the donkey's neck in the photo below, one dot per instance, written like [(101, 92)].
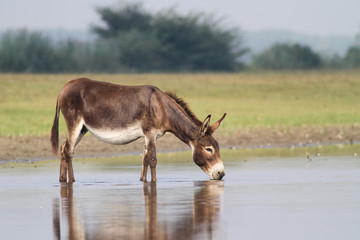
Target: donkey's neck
[(182, 126)]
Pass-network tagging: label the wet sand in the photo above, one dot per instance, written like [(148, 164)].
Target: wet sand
[(261, 198)]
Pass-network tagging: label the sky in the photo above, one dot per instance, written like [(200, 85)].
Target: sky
[(314, 17)]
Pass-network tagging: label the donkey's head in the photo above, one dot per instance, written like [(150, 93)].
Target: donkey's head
[(206, 152)]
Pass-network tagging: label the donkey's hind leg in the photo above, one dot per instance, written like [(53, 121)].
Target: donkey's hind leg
[(63, 164), (67, 151)]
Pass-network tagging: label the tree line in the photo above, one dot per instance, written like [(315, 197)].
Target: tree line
[(131, 39)]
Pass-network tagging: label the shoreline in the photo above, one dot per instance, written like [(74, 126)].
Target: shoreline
[(37, 148), (105, 155)]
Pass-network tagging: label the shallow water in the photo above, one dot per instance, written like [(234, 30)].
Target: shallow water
[(263, 198)]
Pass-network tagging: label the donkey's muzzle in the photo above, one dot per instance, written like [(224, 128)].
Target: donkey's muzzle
[(217, 172), (218, 175)]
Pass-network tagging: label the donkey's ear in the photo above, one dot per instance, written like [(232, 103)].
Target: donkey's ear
[(216, 124), (205, 126)]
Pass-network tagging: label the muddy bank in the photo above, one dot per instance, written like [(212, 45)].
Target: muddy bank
[(38, 147)]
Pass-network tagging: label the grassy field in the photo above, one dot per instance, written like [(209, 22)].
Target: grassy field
[(252, 100)]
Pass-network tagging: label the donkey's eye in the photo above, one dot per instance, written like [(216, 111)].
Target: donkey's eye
[(208, 149)]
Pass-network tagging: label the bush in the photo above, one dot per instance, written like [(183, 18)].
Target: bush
[(285, 56), (23, 51), (352, 57)]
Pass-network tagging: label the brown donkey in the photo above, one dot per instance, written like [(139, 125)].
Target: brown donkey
[(119, 114)]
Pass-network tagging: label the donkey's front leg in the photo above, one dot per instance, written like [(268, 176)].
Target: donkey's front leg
[(149, 158), (144, 168)]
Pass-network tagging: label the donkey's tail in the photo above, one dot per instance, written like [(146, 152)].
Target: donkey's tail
[(54, 139)]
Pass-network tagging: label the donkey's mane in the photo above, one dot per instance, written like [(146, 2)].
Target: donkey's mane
[(185, 107)]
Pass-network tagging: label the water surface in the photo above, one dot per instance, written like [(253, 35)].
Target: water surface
[(262, 198)]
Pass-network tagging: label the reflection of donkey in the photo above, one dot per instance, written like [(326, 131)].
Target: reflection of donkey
[(121, 114), (69, 214), (200, 223), (200, 219)]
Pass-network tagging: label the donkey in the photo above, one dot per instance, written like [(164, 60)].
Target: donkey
[(118, 114)]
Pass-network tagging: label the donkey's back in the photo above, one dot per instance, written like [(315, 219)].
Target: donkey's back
[(107, 105)]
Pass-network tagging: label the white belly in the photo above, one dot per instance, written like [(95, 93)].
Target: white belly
[(118, 136)]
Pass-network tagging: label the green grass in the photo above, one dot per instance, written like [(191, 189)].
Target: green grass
[(252, 100)]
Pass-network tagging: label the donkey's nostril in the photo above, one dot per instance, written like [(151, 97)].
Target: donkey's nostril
[(218, 175)]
